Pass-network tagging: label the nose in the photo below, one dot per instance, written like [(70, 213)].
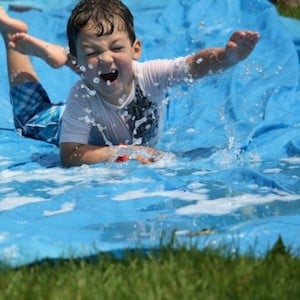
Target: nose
[(106, 57)]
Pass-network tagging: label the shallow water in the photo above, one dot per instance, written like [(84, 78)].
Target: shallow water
[(231, 172)]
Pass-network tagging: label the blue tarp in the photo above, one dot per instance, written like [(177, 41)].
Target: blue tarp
[(231, 174)]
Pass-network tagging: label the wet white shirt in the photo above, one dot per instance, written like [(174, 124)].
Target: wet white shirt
[(88, 119)]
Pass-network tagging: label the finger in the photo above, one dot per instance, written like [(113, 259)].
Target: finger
[(244, 35)]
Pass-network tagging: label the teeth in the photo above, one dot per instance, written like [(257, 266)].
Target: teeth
[(110, 76), (109, 72)]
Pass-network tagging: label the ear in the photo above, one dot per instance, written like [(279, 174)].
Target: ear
[(136, 49)]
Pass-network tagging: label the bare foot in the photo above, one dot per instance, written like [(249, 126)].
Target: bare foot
[(9, 25), (52, 54), (15, 35)]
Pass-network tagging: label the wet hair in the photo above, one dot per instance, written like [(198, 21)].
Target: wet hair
[(104, 15)]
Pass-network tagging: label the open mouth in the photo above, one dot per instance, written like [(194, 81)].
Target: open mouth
[(110, 76)]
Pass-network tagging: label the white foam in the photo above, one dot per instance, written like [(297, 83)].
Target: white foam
[(6, 190), (292, 160), (60, 190), (65, 207), (16, 201), (272, 171), (58, 181), (227, 205), (141, 194), (3, 236), (5, 161)]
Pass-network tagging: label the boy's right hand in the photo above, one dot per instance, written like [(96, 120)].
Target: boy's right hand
[(240, 45), (74, 154), (147, 155)]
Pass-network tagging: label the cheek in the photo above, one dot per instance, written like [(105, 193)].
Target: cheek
[(92, 76), (88, 68), (91, 63), (87, 61), (126, 65)]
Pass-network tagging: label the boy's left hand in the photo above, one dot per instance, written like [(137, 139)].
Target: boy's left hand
[(240, 45)]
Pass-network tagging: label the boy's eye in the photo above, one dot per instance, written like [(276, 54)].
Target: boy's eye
[(117, 48), (91, 54)]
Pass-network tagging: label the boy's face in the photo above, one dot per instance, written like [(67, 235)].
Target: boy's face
[(106, 62)]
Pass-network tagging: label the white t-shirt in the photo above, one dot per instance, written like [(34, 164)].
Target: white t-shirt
[(88, 119)]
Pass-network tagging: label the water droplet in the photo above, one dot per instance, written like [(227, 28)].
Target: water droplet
[(259, 68), (82, 68), (92, 92), (96, 80), (199, 60), (202, 24), (122, 99)]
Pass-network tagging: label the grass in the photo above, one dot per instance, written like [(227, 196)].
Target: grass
[(287, 11), (167, 274)]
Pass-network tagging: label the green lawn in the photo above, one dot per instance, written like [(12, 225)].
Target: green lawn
[(167, 274), (293, 12)]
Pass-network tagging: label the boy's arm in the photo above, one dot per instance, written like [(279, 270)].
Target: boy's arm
[(74, 154), (238, 47)]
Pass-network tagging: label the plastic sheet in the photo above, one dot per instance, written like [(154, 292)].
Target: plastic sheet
[(232, 169)]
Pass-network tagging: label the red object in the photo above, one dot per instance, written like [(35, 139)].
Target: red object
[(122, 158)]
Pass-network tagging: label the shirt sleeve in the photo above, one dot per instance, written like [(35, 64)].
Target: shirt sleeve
[(160, 74)]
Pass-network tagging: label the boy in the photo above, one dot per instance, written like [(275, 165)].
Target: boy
[(115, 111)]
